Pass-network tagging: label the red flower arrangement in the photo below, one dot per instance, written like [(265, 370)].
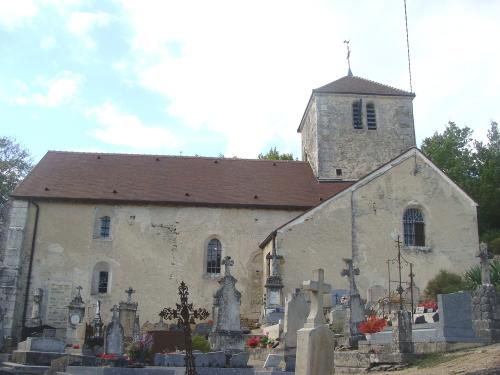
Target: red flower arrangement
[(372, 325), (254, 341), (429, 304)]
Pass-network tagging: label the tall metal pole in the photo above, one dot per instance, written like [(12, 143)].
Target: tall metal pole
[(389, 275), (400, 286)]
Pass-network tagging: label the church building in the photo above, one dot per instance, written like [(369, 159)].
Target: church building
[(109, 221)]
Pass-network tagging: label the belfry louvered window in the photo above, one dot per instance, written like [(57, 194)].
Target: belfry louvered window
[(414, 231), (214, 256), (357, 122), (371, 120)]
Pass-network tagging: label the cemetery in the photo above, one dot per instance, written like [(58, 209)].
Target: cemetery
[(300, 334)]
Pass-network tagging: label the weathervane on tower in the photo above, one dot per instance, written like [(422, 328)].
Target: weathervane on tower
[(349, 72)]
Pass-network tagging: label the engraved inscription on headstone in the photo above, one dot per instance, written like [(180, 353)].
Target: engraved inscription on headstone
[(57, 305)]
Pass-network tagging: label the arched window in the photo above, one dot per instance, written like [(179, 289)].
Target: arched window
[(214, 256), (101, 278), (371, 120), (356, 115), (414, 231), (105, 226)]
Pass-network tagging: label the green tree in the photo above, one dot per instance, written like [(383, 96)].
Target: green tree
[(475, 167), (15, 164), (274, 154), (452, 151)]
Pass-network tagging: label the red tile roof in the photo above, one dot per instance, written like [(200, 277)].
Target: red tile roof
[(176, 180)]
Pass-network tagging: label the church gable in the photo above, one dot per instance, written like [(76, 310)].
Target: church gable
[(408, 197)]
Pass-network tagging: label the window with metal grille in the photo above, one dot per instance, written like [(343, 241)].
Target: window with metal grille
[(371, 120), (214, 256), (356, 115), (413, 222), (105, 226), (103, 282)]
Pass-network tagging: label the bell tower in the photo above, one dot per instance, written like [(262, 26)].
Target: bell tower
[(352, 126)]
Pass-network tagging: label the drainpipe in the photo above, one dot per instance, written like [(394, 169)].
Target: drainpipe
[(30, 265)]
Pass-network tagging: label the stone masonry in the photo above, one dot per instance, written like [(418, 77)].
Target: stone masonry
[(486, 313)]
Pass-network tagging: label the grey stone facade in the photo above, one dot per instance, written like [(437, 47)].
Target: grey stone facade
[(330, 142), (13, 268), (486, 313)]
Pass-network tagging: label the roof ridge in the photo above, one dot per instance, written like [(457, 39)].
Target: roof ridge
[(171, 156), (383, 84)]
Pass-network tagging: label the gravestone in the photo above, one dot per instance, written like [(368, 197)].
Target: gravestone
[(113, 337), (273, 361), (136, 333), (39, 350), (455, 317), (76, 313), (59, 297), (355, 310), (127, 312), (226, 332), (315, 340), (36, 319), (296, 312), (402, 332), (274, 285)]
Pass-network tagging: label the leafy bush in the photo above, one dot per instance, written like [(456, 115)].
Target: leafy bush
[(201, 343), (444, 282), (472, 278), (494, 246)]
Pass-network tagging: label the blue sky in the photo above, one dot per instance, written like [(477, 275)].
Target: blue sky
[(230, 77)]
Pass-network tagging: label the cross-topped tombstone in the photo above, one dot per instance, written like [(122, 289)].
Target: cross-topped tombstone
[(274, 285), (186, 315), (317, 289), (129, 292), (128, 310), (350, 272), (355, 310), (227, 262), (315, 340), (484, 257)]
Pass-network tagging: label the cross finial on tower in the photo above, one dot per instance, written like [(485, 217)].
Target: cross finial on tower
[(349, 72)]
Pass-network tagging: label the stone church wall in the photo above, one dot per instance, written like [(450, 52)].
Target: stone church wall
[(368, 227), (310, 137), (152, 249), (355, 151)]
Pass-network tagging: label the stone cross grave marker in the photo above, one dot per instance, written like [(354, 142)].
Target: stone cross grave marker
[(355, 311), (317, 289), (227, 262), (315, 340), (296, 313), (484, 257), (350, 272), (129, 293)]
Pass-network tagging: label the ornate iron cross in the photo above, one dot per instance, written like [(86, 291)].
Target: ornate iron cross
[(186, 315), (350, 272)]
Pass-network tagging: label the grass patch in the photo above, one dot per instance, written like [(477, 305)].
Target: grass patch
[(433, 359)]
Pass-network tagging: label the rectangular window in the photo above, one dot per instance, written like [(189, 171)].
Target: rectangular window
[(338, 171), (105, 226)]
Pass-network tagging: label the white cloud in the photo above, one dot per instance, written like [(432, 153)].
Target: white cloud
[(13, 14), (60, 90), (124, 129), (82, 24), (48, 43), (245, 70), (234, 75)]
